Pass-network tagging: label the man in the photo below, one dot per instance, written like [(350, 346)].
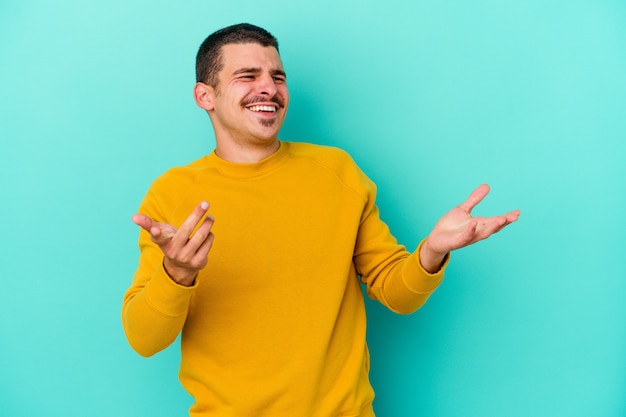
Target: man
[(266, 289)]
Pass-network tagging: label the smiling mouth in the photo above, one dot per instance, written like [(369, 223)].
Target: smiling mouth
[(262, 108)]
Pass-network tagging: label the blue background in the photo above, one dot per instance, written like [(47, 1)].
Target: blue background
[(431, 98)]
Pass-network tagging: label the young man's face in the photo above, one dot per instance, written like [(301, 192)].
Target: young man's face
[(250, 102)]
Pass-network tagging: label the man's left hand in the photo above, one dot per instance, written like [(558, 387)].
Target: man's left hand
[(458, 228)]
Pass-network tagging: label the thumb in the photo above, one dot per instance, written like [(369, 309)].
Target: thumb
[(475, 197), (143, 221), (156, 229)]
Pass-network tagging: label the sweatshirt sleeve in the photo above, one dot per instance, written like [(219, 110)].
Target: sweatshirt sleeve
[(155, 307), (392, 275)]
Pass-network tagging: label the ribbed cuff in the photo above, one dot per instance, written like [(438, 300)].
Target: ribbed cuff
[(419, 280), (166, 296)]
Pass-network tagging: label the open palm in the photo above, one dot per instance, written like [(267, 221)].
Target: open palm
[(458, 228)]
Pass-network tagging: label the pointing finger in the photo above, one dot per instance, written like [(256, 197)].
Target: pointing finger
[(192, 221), (202, 233)]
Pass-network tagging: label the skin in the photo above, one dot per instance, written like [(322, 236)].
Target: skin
[(458, 229), (183, 255), (253, 75)]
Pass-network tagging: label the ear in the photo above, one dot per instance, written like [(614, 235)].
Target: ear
[(204, 94)]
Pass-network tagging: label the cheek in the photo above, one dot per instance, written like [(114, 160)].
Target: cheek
[(284, 93), (237, 94)]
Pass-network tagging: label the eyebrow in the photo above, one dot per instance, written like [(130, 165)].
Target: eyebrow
[(254, 70)]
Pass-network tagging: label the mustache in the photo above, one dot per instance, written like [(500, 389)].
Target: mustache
[(261, 99)]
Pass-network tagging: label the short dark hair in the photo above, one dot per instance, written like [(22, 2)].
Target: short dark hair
[(209, 58)]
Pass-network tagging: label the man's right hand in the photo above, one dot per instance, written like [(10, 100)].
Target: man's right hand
[(184, 254)]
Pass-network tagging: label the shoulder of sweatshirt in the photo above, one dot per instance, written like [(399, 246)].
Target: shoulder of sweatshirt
[(337, 161)]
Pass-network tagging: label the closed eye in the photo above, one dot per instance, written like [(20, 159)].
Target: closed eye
[(279, 76)]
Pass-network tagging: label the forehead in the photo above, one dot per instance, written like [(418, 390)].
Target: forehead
[(250, 55)]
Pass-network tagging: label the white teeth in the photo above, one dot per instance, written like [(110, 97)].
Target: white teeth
[(262, 108)]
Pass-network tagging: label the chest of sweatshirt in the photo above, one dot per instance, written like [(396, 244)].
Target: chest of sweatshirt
[(281, 232)]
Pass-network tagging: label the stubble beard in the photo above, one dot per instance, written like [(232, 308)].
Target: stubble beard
[(267, 122)]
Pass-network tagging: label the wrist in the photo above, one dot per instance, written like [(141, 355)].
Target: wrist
[(182, 276), (431, 260)]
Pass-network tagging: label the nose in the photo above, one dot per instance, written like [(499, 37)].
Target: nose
[(267, 86)]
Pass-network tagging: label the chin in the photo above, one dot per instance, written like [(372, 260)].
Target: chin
[(267, 140), (268, 135)]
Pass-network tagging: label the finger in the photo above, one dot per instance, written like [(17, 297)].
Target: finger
[(466, 237), (190, 223), (494, 225), (151, 226), (475, 197), (201, 234), (201, 256), (490, 226), (504, 220), (194, 253), (160, 233), (142, 221), (512, 216)]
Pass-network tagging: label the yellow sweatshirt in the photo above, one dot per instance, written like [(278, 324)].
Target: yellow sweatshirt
[(275, 323)]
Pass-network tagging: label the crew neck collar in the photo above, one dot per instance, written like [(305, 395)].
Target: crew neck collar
[(251, 169)]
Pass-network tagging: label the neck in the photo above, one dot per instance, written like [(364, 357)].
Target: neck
[(246, 154)]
